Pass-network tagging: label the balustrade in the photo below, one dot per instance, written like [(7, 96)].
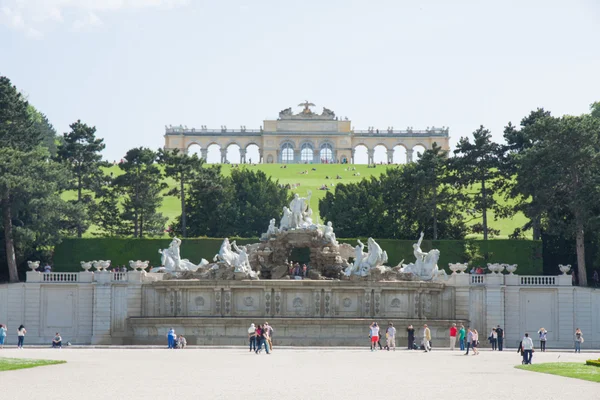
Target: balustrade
[(537, 280), (60, 277)]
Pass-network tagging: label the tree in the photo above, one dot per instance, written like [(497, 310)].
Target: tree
[(45, 130), (17, 128), (182, 168), (476, 171), (80, 152), (563, 164), (32, 211), (141, 186), (105, 211)]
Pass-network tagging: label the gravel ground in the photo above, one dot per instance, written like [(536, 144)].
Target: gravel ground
[(287, 373)]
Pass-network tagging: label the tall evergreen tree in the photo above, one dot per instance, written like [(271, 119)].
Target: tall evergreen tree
[(80, 152), (182, 168), (142, 185), (476, 169), (17, 128)]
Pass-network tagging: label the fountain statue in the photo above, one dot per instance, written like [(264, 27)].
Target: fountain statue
[(364, 262), (171, 260), (425, 266)]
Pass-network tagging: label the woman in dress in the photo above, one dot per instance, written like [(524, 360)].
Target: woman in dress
[(475, 342)]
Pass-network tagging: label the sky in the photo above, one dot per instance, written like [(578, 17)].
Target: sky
[(130, 67)]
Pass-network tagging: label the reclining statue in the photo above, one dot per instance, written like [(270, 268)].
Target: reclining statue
[(171, 259), (425, 265)]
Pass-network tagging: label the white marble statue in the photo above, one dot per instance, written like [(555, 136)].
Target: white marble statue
[(425, 265), (364, 262), (236, 257), (171, 260), (328, 234), (272, 230), (226, 254), (286, 219), (299, 206)]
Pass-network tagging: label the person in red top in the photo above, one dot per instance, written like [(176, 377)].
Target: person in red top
[(453, 331)]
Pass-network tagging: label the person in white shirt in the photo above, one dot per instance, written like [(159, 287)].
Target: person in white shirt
[(527, 346), (374, 335), (252, 337), (21, 336), (390, 334)]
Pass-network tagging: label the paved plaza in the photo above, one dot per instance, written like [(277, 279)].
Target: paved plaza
[(287, 374)]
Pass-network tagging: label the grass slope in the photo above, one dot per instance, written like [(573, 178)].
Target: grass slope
[(569, 370), (171, 206), (9, 364)]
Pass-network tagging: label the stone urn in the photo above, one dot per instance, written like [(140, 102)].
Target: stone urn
[(501, 268), (511, 268), (493, 268), (457, 268), (139, 265), (86, 265), (33, 265), (564, 268), (104, 264)]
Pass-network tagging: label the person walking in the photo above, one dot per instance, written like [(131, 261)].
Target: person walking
[(21, 336), (269, 329), (469, 340), (411, 337), (374, 333), (527, 347), (461, 337), (252, 337), (453, 332), (543, 337), (578, 340), (171, 338), (2, 335), (494, 339), (426, 338), (391, 336), (475, 342), (500, 333)]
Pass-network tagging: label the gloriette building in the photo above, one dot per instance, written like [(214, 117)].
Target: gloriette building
[(307, 137)]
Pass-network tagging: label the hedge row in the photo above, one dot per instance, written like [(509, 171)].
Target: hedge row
[(595, 363), (67, 255)]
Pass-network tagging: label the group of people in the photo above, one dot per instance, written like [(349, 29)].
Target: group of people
[(175, 342), (297, 270), (375, 335), (259, 336), (21, 331)]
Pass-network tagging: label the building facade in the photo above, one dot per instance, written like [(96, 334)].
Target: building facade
[(306, 137)]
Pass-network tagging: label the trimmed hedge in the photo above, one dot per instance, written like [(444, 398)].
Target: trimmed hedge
[(595, 363), (68, 255)]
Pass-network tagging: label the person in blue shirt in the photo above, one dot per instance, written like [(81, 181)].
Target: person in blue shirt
[(171, 338)]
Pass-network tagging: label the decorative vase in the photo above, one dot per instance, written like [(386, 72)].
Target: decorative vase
[(564, 268), (33, 265), (511, 268), (453, 267), (104, 264), (86, 265)]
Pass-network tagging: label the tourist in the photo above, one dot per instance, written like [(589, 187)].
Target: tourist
[(426, 338), (494, 339), (453, 332), (391, 337), (543, 336), (269, 330), (21, 336), (252, 337), (2, 335), (181, 342), (527, 346), (500, 333), (475, 342), (469, 340), (259, 338), (411, 337), (578, 340), (304, 270), (264, 340), (374, 334), (47, 268), (461, 337), (57, 341), (171, 338)]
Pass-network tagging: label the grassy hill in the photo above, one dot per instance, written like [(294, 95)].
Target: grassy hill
[(324, 174)]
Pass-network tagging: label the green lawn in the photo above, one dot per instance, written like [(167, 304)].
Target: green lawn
[(313, 180), (570, 370), (9, 364)]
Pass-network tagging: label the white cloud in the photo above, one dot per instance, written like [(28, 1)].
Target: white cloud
[(34, 16)]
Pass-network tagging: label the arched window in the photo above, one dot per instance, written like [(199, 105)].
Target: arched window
[(326, 153), (287, 153), (306, 153)]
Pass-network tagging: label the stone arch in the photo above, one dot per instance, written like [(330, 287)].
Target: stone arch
[(360, 154), (252, 153), (417, 151), (233, 153), (400, 153), (213, 153), (195, 148), (380, 154), (307, 152), (327, 152), (286, 151)]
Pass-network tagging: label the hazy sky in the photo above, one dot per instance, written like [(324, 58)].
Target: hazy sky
[(130, 67)]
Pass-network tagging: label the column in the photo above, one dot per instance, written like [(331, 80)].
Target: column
[(260, 156), (409, 155), (367, 303), (390, 156), (227, 302), (204, 153), (377, 302), (223, 156), (353, 156), (371, 152), (327, 303), (242, 156)]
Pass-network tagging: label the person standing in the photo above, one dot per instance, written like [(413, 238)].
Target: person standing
[(426, 338), (252, 337), (578, 340), (259, 339), (2, 335), (494, 339), (543, 336), (527, 346), (411, 337), (21, 336), (461, 337), (500, 333), (469, 340), (269, 338), (391, 336), (453, 332), (475, 342), (171, 338), (374, 332)]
